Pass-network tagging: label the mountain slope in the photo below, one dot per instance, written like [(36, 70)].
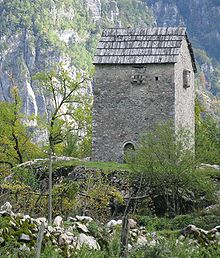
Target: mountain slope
[(202, 19), (36, 34)]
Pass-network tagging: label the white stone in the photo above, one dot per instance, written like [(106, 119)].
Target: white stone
[(65, 239), (112, 223), (58, 221), (24, 238), (90, 241), (41, 220), (82, 227), (142, 241), (26, 217), (72, 219), (132, 223), (50, 229), (84, 218), (58, 231), (6, 207)]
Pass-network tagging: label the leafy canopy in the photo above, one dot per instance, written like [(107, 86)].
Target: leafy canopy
[(164, 167), (15, 139)]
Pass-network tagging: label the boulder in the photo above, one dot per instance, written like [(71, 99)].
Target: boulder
[(132, 223), (71, 219), (6, 207), (27, 217), (24, 238), (113, 223), (84, 218), (58, 231), (89, 241), (6, 210), (50, 229), (202, 236), (81, 227), (41, 220), (65, 239), (141, 241), (58, 221)]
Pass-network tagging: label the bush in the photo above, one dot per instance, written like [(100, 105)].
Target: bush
[(164, 168), (181, 221), (207, 222), (170, 248), (154, 223)]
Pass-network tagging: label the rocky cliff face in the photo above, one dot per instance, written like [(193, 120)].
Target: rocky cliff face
[(34, 36), (201, 17)]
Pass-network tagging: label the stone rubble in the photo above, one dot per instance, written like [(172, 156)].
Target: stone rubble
[(83, 231), (201, 236)]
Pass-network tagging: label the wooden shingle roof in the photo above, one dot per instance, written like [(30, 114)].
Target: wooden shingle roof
[(141, 46)]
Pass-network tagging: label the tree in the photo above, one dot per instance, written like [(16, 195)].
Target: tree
[(165, 170), (207, 136), (65, 96), (15, 138)]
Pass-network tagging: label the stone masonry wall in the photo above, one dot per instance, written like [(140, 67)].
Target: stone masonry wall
[(123, 110), (184, 97)]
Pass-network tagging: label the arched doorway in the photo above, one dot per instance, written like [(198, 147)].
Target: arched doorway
[(128, 151)]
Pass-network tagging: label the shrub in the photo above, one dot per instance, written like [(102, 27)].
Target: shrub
[(171, 248), (164, 168)]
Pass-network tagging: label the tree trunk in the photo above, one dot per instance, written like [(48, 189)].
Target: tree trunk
[(50, 186), (124, 235), (39, 240)]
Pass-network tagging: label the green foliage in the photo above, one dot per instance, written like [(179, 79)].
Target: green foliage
[(97, 193), (154, 223), (166, 167), (207, 136), (64, 198), (131, 13), (68, 108), (50, 251), (70, 145), (26, 176), (179, 222), (16, 146), (170, 248), (201, 56)]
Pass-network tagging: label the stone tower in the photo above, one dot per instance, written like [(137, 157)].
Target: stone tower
[(143, 76)]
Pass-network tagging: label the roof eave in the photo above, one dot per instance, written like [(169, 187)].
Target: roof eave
[(191, 54)]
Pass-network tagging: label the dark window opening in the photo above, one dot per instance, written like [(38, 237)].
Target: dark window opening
[(129, 152), (186, 78), (156, 78)]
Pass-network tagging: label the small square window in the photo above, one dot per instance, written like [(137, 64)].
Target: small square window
[(138, 79), (156, 78)]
